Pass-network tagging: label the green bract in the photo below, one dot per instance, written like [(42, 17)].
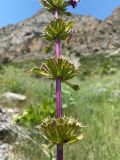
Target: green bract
[(60, 68), (54, 69), (56, 5), (58, 29), (63, 130)]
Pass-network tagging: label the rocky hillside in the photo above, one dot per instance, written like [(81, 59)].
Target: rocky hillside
[(23, 40)]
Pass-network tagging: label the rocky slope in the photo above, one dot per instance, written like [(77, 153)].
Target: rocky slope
[(24, 41)]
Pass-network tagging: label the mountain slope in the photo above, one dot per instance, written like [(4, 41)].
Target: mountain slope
[(24, 40)]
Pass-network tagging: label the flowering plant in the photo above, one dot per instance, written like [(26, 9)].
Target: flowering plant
[(59, 130)]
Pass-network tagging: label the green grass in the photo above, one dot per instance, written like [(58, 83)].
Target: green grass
[(20, 80), (96, 104)]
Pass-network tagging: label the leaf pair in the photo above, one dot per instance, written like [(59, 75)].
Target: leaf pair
[(63, 130), (58, 29)]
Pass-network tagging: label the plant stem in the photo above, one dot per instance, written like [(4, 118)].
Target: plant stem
[(56, 14), (58, 96), (57, 48), (60, 152), (59, 109)]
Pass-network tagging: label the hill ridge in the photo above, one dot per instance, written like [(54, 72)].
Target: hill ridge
[(23, 40)]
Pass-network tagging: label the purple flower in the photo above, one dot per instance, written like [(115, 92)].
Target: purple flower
[(74, 3), (72, 31)]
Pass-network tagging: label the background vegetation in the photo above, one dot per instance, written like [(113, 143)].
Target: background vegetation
[(96, 104)]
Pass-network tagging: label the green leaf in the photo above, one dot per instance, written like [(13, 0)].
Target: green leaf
[(73, 86)]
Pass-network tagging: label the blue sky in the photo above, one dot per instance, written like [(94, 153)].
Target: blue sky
[(13, 11)]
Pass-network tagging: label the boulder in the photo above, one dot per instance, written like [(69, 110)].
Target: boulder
[(5, 151), (7, 135), (10, 96), (6, 125)]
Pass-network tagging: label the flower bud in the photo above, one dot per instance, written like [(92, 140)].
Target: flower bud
[(74, 3)]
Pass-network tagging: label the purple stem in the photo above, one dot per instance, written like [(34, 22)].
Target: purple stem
[(58, 101), (56, 14), (57, 49), (59, 152), (58, 96)]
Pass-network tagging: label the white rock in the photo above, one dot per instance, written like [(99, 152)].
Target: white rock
[(14, 96)]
